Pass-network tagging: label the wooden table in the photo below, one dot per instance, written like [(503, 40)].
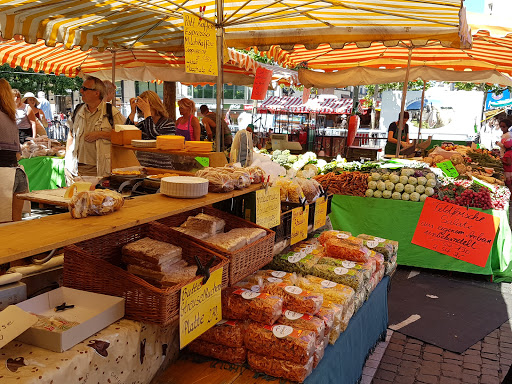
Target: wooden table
[(27, 238)]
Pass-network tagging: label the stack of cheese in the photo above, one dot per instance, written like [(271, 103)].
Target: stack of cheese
[(198, 146), (170, 142), (157, 262)]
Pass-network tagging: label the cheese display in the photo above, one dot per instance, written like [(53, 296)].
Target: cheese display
[(198, 146), (144, 143), (170, 142), (184, 187)]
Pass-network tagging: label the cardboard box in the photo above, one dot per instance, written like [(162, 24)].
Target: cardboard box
[(12, 294), (92, 310), (124, 134)]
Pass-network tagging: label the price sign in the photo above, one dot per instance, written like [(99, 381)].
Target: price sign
[(268, 207), (261, 83), (320, 213), (204, 161), (200, 307), (483, 184), (200, 46), (13, 322), (456, 231), (448, 168), (299, 224)]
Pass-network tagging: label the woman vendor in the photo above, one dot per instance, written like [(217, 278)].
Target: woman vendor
[(156, 120), (188, 125), (14, 180), (390, 148)]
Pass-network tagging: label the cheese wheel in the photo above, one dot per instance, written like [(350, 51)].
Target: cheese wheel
[(185, 187)]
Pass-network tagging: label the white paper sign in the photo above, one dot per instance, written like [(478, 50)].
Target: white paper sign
[(13, 322)]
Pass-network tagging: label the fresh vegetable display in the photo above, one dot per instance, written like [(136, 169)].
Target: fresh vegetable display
[(347, 183), (407, 184)]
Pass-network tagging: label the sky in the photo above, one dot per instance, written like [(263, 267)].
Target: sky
[(476, 6)]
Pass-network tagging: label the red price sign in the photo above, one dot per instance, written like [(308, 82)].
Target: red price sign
[(261, 82), (456, 231)]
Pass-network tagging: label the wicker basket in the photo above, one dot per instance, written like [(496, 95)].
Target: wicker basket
[(95, 265), (242, 262)]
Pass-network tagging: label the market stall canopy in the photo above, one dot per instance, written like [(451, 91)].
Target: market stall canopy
[(158, 24), (488, 53), (290, 104), (139, 65), (365, 76)]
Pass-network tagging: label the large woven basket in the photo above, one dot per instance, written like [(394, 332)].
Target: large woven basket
[(95, 265), (242, 262)]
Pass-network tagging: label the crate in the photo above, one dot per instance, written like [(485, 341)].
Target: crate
[(95, 265), (242, 262)]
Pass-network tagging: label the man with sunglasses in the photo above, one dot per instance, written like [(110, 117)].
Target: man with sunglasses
[(88, 146)]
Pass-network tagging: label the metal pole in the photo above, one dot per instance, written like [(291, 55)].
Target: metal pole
[(402, 107), (421, 110), (219, 139), (114, 75)]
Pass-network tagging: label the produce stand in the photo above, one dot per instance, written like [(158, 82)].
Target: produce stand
[(369, 215)]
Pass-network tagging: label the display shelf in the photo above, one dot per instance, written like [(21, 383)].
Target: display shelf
[(27, 238)]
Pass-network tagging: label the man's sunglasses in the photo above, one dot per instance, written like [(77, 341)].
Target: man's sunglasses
[(87, 89)]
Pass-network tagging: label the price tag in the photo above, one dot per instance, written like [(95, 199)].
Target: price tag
[(348, 264), (278, 273), (255, 288), (296, 257), (328, 284), (291, 315), (200, 307), (448, 168), (274, 280), (249, 295), (268, 207), (379, 239), (342, 236), (281, 331), (204, 161), (340, 271), (483, 184), (299, 224), (320, 213), (372, 243), (293, 290)]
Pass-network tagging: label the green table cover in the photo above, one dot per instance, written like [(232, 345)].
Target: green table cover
[(44, 172), (397, 220)]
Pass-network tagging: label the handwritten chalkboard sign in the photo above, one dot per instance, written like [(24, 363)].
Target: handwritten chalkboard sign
[(456, 231), (200, 46)]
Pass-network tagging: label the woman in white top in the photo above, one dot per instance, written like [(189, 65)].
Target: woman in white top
[(25, 120), (31, 105)]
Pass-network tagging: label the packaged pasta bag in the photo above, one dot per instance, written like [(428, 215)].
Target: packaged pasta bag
[(326, 235), (95, 203), (294, 192), (226, 332), (281, 341), (375, 280), (327, 315), (337, 313), (280, 368), (241, 178), (350, 277), (244, 304), (303, 321), (366, 269), (360, 298), (235, 355), (379, 260), (390, 266), (282, 183), (218, 181), (384, 248), (298, 262), (319, 352), (309, 188), (295, 298), (257, 174), (270, 276), (381, 243), (346, 249), (331, 291)]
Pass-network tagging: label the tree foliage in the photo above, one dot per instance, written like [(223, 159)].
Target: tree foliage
[(498, 90), (30, 81), (412, 86)]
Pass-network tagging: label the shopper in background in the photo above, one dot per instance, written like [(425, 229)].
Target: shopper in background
[(209, 121), (242, 148), (391, 144), (13, 177), (507, 162), (188, 125), (110, 91), (88, 146), (155, 121), (26, 124), (505, 125), (41, 124), (45, 106)]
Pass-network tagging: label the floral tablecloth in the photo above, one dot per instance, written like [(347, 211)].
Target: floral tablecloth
[(126, 352)]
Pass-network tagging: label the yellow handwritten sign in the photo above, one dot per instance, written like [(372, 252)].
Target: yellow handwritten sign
[(200, 46), (200, 307), (268, 207), (320, 213), (299, 224)]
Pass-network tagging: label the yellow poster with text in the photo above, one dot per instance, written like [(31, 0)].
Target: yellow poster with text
[(320, 213), (268, 207), (299, 224), (200, 46), (200, 307)]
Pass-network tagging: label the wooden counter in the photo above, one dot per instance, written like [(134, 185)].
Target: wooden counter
[(27, 238)]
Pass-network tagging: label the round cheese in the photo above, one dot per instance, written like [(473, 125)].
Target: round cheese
[(185, 187)]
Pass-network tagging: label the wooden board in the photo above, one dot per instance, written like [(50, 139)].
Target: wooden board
[(47, 196), (27, 238)]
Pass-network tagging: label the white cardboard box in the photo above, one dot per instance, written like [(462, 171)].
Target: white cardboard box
[(12, 293), (92, 310)]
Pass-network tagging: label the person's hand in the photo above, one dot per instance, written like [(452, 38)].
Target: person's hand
[(144, 106), (133, 104), (93, 136)]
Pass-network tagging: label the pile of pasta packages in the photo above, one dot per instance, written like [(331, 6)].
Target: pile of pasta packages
[(280, 320), (295, 188), (42, 146), (229, 177)]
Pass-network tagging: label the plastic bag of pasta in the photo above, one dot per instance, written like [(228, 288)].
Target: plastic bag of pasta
[(390, 266), (241, 178), (269, 276), (327, 315), (235, 355), (380, 242), (304, 321), (319, 352), (281, 341), (226, 332), (218, 181), (326, 235), (294, 192), (280, 368), (257, 174), (298, 262), (345, 249), (386, 249), (309, 188), (366, 269), (341, 275), (243, 304), (95, 203), (295, 298), (282, 183)]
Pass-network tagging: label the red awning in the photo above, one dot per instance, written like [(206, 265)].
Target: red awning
[(290, 104)]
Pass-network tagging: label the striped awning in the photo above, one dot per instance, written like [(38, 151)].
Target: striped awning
[(141, 65), (488, 53), (289, 104), (158, 24)]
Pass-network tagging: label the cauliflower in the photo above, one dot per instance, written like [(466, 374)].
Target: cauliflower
[(429, 191), (396, 196), (375, 176), (409, 188), (369, 193), (399, 187), (422, 180), (423, 197), (381, 186), (405, 196), (386, 194), (377, 194), (430, 175), (415, 196), (404, 179), (413, 180), (292, 158), (394, 178), (384, 177), (407, 172), (372, 185), (389, 185), (420, 189), (431, 183)]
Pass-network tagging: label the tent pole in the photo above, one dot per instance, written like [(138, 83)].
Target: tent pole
[(220, 78), (402, 107), (421, 110), (114, 75)]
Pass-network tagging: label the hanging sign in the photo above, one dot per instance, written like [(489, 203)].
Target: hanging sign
[(456, 231), (200, 46), (261, 83), (299, 224), (200, 307), (268, 207), (448, 168), (305, 95), (320, 212)]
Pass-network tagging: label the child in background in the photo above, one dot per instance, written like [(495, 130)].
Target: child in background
[(507, 162)]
